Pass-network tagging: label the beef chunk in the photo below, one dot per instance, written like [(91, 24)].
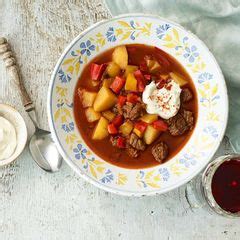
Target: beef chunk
[(132, 152), (160, 151), (180, 123), (186, 95), (189, 118), (177, 125), (133, 111), (136, 142), (117, 110)]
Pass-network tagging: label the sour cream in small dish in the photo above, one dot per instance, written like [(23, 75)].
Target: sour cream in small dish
[(13, 134), (8, 139), (164, 100)]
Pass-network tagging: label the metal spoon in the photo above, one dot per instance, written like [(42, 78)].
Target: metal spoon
[(41, 145)]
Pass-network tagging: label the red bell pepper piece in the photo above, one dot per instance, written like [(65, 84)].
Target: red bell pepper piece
[(117, 121), (121, 142), (132, 98), (141, 126), (112, 129), (140, 80), (141, 86), (122, 100), (97, 71), (147, 77), (143, 66), (117, 84), (160, 125)]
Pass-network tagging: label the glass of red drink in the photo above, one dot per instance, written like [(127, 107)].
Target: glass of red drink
[(218, 187)]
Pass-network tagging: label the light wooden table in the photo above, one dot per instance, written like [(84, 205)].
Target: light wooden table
[(37, 205)]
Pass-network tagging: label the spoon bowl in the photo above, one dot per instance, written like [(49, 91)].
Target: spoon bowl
[(44, 151)]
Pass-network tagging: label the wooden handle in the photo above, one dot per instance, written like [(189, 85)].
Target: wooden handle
[(10, 63)]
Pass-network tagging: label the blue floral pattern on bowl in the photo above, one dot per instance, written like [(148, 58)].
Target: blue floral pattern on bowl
[(161, 30), (111, 35), (80, 152), (191, 53), (87, 47)]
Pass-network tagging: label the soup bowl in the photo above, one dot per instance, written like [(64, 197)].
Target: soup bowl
[(197, 60)]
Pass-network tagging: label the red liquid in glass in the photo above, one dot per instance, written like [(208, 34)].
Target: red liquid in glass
[(226, 186)]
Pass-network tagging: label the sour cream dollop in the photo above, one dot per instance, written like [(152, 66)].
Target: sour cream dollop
[(164, 101), (8, 139)]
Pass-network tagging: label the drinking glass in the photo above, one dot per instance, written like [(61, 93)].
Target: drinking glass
[(199, 191)]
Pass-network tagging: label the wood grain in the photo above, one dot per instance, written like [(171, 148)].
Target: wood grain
[(14, 72), (37, 205)]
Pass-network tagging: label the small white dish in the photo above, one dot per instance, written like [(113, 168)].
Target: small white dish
[(13, 116)]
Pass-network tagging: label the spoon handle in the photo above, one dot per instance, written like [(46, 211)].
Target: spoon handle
[(13, 70)]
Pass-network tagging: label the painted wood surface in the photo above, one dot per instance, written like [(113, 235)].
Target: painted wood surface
[(38, 205)]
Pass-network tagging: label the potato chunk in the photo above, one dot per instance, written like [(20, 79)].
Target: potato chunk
[(126, 128), (149, 118), (108, 115), (120, 56), (151, 134), (105, 99), (153, 66), (91, 115), (107, 82), (113, 69), (100, 131), (87, 97), (138, 133), (130, 69), (179, 79), (164, 76), (131, 83)]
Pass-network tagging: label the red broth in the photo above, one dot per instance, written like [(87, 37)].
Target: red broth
[(104, 148), (226, 186)]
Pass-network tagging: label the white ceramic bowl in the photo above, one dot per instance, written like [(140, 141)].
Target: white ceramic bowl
[(18, 122), (196, 59)]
